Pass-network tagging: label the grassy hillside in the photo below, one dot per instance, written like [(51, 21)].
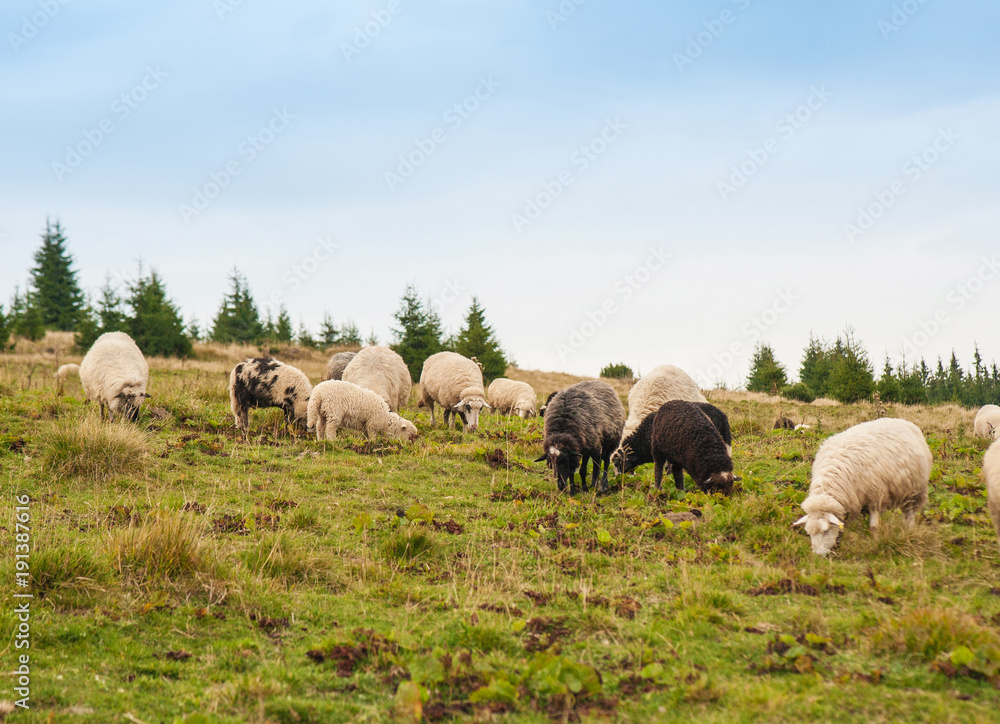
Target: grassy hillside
[(182, 574)]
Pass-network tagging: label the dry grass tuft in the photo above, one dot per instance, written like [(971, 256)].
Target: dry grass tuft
[(67, 573), (91, 449), (287, 559), (927, 632)]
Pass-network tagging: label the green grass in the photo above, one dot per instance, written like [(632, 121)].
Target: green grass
[(181, 571)]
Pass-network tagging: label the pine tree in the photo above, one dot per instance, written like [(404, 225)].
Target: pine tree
[(156, 324), (766, 373), (88, 329), (350, 335), (372, 339), (58, 293), (476, 339), (418, 335), (193, 330), (304, 337), (329, 335), (26, 318), (110, 314), (238, 319), (815, 369), (851, 376), (888, 386), (4, 330), (283, 331)]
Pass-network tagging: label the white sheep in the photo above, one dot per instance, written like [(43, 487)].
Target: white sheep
[(266, 382), (991, 472), (381, 370), (456, 383), (64, 372), (877, 465), (115, 374), (659, 385), (338, 362), (987, 422), (335, 404), (511, 397)]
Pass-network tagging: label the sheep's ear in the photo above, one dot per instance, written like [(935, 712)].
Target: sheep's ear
[(458, 404), (487, 406), (834, 519), (541, 458), (801, 521)]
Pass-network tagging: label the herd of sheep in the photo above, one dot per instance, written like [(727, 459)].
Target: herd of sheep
[(874, 466)]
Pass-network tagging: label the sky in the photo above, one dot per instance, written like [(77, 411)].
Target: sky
[(639, 182)]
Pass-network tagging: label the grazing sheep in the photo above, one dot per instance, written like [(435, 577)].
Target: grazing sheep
[(661, 384), (991, 471), (335, 367), (583, 422), (784, 423), (543, 408), (512, 398), (877, 466), (684, 437), (637, 448), (115, 374), (456, 383), (335, 404), (64, 372), (382, 371), (987, 422), (266, 382)]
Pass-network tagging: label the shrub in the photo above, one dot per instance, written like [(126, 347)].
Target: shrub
[(620, 371), (799, 391), (94, 450)]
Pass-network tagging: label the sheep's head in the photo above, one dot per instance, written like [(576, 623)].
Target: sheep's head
[(468, 409), (625, 459), (564, 460), (721, 482), (404, 430), (300, 410), (525, 412), (127, 403), (823, 528)]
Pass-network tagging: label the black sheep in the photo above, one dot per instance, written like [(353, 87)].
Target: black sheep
[(543, 408), (583, 422), (637, 449), (684, 438), (783, 423)]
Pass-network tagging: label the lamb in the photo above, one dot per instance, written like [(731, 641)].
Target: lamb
[(382, 371), (456, 383), (335, 367), (583, 422), (684, 437), (991, 472), (987, 422), (877, 465), (335, 404), (661, 384), (637, 449), (266, 382), (543, 408), (63, 373), (115, 374), (512, 398)]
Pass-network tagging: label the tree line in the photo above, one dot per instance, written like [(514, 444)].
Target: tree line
[(53, 300), (842, 370)]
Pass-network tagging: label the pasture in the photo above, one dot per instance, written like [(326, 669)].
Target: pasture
[(182, 574)]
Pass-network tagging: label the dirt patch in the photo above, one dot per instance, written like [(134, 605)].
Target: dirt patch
[(16, 444), (181, 655), (510, 494), (785, 585), (627, 607), (497, 459), (193, 506), (348, 655), (266, 623), (229, 523), (277, 504), (543, 632), (540, 599), (265, 520), (449, 526), (500, 608), (122, 515)]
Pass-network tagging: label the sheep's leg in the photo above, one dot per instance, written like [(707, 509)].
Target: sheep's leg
[(447, 417), (910, 516), (331, 428), (103, 409), (873, 519), (320, 428), (604, 477), (658, 474), (430, 404), (678, 473), (595, 474), (583, 472)]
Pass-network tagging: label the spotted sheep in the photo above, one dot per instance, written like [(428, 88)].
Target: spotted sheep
[(266, 382)]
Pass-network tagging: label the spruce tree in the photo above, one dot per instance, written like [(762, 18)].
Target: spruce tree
[(477, 339), (418, 335), (4, 330), (815, 369), (304, 336), (53, 279), (156, 324), (88, 329), (766, 373), (238, 319), (851, 376), (26, 318), (283, 331), (110, 314), (350, 335), (329, 335)]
